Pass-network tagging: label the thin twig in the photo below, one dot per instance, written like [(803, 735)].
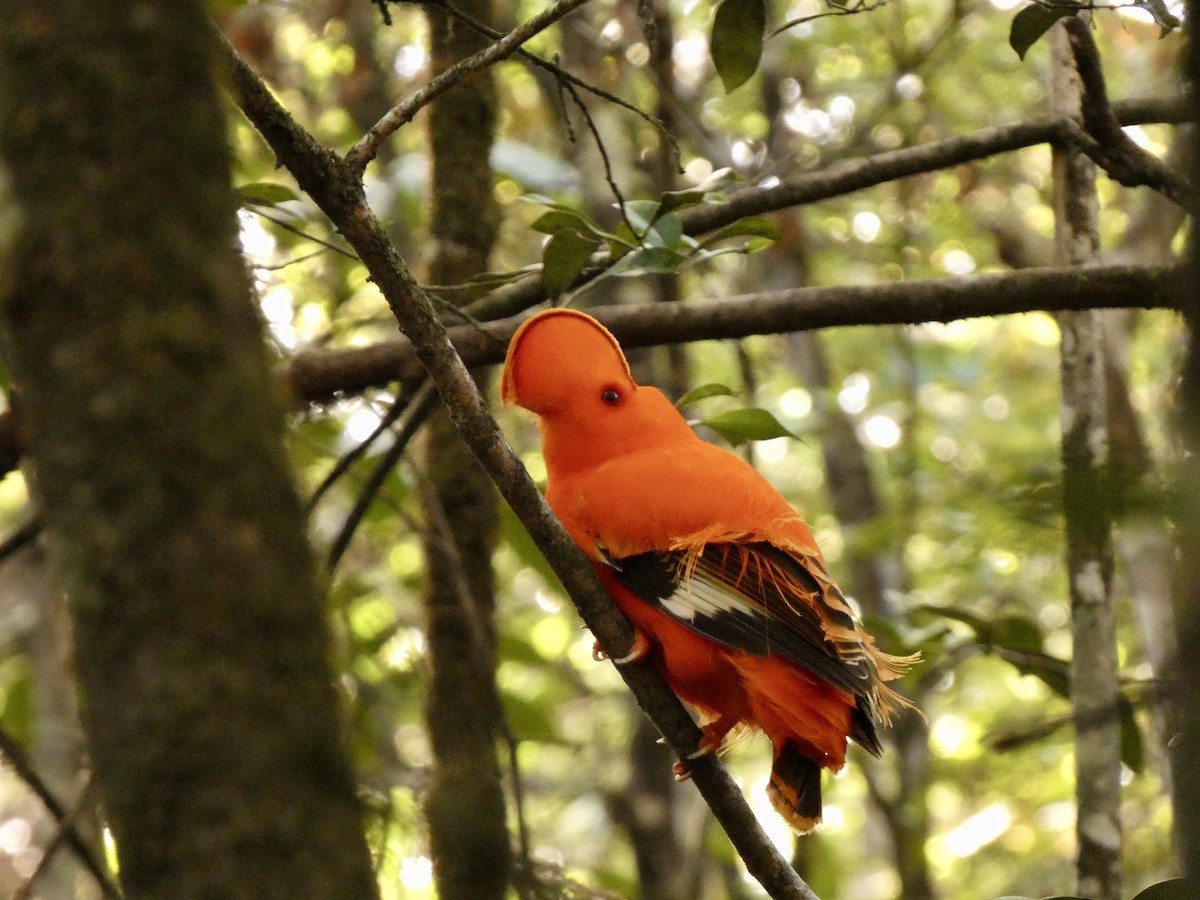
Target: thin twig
[(56, 843), (849, 176), (10, 442), (366, 148), (350, 457), (855, 175), (605, 161), (414, 414), (300, 232), (836, 11), (560, 74), (11, 749)]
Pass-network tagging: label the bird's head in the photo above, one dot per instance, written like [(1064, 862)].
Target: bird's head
[(567, 368), (562, 359)]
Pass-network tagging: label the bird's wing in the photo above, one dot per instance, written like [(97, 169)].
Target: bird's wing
[(762, 599)]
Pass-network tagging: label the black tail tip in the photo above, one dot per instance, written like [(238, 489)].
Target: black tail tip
[(795, 789)]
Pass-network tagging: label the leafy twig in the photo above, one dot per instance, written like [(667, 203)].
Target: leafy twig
[(300, 232), (835, 10), (603, 151)]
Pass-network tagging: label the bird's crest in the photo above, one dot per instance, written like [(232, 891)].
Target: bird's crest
[(553, 350)]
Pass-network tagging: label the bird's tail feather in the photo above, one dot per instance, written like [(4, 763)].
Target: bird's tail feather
[(794, 788)]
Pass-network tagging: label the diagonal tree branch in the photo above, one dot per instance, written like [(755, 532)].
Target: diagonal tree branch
[(1111, 148), (337, 190), (855, 175), (316, 375), (364, 151)]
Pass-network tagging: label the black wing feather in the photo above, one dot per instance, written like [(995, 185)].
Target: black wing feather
[(763, 622)]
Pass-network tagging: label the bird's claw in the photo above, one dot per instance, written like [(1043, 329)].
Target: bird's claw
[(709, 744), (637, 650)]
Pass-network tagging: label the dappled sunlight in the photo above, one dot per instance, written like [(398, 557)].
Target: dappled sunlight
[(925, 457)]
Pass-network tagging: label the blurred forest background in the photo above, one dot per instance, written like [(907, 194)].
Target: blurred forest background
[(928, 457)]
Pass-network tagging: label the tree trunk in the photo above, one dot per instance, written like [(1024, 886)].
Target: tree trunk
[(1085, 453), (465, 806), (1185, 759), (154, 444)]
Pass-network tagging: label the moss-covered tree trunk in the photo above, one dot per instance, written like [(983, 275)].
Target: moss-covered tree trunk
[(1185, 757), (154, 442), (465, 806)]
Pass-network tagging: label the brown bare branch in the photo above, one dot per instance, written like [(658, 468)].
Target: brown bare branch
[(855, 175), (1111, 148), (317, 375)]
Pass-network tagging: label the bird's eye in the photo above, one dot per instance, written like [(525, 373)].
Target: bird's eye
[(611, 396)]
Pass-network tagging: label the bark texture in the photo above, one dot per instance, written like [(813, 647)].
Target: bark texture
[(1085, 454), (1186, 748), (465, 805), (154, 442)]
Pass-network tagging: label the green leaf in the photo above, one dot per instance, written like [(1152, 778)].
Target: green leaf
[(623, 241), (737, 40), (673, 201), (1032, 22), (557, 220), (517, 538), (642, 214), (220, 6), (543, 200), (1019, 633), (649, 261), (712, 389), (1050, 670), (751, 226), (17, 705), (264, 193), (667, 232), (1175, 889), (751, 424), (531, 720), (564, 257)]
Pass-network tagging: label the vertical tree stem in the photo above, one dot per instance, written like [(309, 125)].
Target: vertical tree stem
[(465, 804), (1085, 451), (1185, 761)]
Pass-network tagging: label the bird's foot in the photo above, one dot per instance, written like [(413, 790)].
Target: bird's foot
[(709, 744), (637, 650)]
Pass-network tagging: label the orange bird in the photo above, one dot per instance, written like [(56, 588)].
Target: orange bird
[(719, 576)]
